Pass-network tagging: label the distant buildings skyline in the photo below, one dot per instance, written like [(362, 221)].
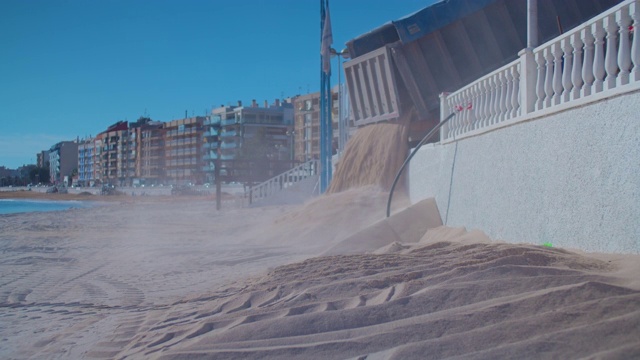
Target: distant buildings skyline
[(184, 151)]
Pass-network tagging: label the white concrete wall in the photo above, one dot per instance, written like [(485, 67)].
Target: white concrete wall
[(571, 179)]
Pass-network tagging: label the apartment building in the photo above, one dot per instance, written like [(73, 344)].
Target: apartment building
[(182, 150), (150, 152), (42, 159), (254, 131), (98, 169), (86, 153), (307, 125), (63, 160), (210, 146), (114, 155)]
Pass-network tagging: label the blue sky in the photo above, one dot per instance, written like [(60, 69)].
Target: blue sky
[(71, 68)]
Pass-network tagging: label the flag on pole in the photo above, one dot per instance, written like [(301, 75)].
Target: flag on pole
[(327, 41)]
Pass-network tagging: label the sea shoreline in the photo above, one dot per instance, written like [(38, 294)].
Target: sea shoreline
[(94, 196)]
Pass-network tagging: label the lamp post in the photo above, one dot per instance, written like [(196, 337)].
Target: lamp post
[(291, 134)]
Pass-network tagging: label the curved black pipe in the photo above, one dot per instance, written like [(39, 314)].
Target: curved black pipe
[(415, 150)]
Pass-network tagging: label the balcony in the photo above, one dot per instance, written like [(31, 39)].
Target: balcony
[(228, 145), (229, 133), (213, 120), (210, 156), (229, 122), (211, 132), (211, 145)]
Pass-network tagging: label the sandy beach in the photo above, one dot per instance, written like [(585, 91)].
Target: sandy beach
[(177, 279)]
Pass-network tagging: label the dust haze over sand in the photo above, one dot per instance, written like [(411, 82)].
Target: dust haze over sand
[(177, 279)]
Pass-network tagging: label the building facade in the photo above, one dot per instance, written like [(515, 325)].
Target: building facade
[(182, 150), (113, 149), (254, 131), (150, 153), (42, 159), (307, 125), (63, 162), (210, 146), (86, 153)]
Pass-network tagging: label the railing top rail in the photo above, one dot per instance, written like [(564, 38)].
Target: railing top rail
[(488, 76), (582, 26)]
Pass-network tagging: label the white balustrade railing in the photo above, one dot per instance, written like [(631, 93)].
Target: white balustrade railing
[(283, 181), (596, 57), (489, 100)]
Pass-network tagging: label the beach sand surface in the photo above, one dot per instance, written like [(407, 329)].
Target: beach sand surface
[(177, 279)]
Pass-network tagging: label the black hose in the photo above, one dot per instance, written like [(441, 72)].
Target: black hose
[(415, 150)]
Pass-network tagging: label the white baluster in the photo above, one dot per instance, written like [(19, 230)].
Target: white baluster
[(634, 9), (501, 92), (467, 113), (481, 103), (456, 119), (492, 104), (464, 115), (557, 73), (508, 106), (477, 105), (498, 97), (540, 80), (576, 72), (444, 130), (470, 112), (487, 103), (504, 97), (624, 51), (473, 98), (587, 66), (611, 57), (486, 88), (497, 94), (515, 95), (548, 80), (505, 103), (567, 85), (460, 116), (486, 93), (598, 57)]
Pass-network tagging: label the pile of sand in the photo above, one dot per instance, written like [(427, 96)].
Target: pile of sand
[(452, 294), (185, 281)]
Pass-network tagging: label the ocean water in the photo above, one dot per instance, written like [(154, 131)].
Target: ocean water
[(12, 206)]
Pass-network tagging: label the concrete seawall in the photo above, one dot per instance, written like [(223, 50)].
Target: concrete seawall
[(571, 179)]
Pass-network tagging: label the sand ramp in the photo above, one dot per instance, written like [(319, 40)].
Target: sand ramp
[(406, 226)]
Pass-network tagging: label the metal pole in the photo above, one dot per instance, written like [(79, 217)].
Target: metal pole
[(532, 23), (325, 112), (340, 117), (216, 174)]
